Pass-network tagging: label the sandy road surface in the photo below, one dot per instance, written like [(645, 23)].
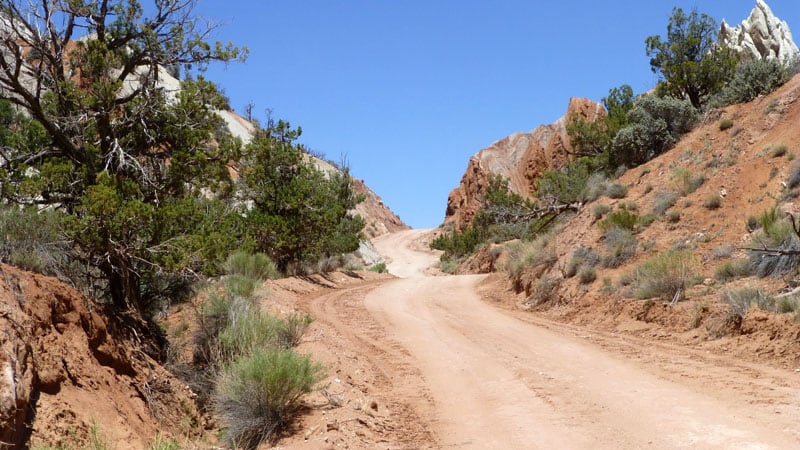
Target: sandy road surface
[(482, 377)]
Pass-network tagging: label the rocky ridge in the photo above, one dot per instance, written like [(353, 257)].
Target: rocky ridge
[(762, 35), (521, 158)]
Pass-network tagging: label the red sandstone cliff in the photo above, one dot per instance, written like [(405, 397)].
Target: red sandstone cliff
[(521, 157)]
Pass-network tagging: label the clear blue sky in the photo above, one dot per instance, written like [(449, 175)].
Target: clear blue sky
[(409, 90)]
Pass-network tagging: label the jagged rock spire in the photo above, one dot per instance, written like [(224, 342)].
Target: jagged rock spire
[(762, 35)]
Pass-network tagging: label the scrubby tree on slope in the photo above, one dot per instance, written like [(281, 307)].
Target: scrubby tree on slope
[(125, 160), (690, 60)]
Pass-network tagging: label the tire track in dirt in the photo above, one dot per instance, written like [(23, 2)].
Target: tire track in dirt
[(500, 382)]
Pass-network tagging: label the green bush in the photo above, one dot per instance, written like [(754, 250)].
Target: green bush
[(457, 244), (655, 125), (787, 305), (258, 394), (582, 256), (248, 329), (673, 216), (712, 202), (599, 210), (587, 274), (621, 218), (620, 247), (380, 268), (752, 78), (666, 276), (731, 270), (240, 285), (617, 191), (725, 124), (34, 240), (776, 151), (567, 184), (160, 443), (686, 181), (257, 266)]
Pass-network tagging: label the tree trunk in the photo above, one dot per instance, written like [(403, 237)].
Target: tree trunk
[(123, 284)]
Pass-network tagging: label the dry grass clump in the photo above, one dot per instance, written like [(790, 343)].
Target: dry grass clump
[(712, 202), (731, 270), (687, 182), (741, 300), (528, 254), (259, 393), (666, 276), (582, 256), (664, 200), (620, 246), (545, 291)]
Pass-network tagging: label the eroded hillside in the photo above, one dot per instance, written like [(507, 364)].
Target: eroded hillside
[(701, 201)]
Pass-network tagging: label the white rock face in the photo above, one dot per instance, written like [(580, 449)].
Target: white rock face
[(761, 36)]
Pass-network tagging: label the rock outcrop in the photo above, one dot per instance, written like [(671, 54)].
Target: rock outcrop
[(760, 36), (65, 368), (521, 157)]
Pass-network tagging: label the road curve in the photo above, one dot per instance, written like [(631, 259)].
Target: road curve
[(497, 381)]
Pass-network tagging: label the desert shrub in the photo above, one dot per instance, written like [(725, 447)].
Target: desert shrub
[(666, 276), (597, 185), (620, 246), (752, 78), (722, 252), (567, 184), (33, 240), (794, 177), (712, 202), (686, 181), (257, 395), (776, 151), (326, 264), (673, 216), (248, 329), (655, 124), (291, 329), (768, 219), (587, 274), (459, 243), (780, 258), (527, 254), (582, 256), (646, 220), (741, 300), (380, 268), (787, 304), (240, 285), (545, 291), (752, 223), (663, 201), (617, 191), (599, 210), (257, 266), (731, 270), (448, 265), (621, 218), (724, 124), (161, 443)]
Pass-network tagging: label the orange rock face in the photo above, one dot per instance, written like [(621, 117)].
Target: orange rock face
[(521, 157)]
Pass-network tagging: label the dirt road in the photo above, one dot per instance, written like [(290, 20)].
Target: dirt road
[(481, 377)]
